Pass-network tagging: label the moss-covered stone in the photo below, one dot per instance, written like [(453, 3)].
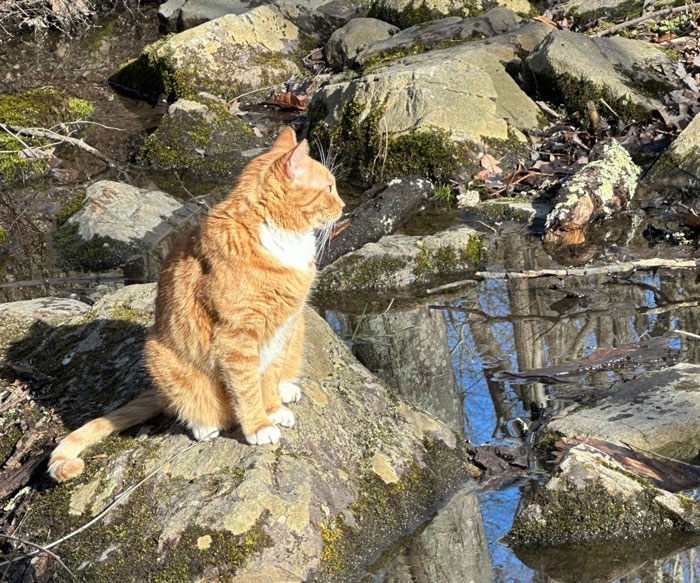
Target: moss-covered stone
[(202, 138), (97, 254), (417, 13), (43, 108)]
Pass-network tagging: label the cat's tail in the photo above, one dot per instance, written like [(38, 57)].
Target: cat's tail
[(65, 464)]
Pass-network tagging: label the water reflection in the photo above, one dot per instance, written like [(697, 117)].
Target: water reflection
[(443, 355)]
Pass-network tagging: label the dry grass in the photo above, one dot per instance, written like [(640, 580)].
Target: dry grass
[(68, 16)]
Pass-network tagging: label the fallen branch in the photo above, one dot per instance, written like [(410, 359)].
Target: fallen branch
[(649, 16), (623, 267), (113, 504), (51, 135), (40, 550)]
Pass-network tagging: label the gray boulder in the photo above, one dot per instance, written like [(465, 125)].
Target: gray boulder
[(657, 411), (226, 57), (573, 69), (117, 221), (676, 174), (359, 467), (592, 497), (584, 11), (44, 309), (346, 42)]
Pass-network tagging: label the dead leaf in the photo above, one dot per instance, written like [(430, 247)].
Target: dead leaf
[(490, 165), (548, 21), (287, 101)]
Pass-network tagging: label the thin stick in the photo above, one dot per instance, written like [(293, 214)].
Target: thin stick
[(684, 333), (649, 16), (640, 264), (51, 135), (125, 494), (41, 550)]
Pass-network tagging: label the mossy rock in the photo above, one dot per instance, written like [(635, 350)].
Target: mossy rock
[(310, 508), (43, 108), (227, 56), (202, 138)]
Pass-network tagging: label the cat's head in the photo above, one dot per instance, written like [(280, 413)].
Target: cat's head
[(304, 195)]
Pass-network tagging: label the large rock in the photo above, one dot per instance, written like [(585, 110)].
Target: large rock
[(459, 96), (584, 11), (421, 38), (117, 221), (346, 42), (359, 467), (676, 174), (397, 263), (573, 69), (405, 13), (657, 411), (226, 56), (198, 137), (45, 309), (593, 497)]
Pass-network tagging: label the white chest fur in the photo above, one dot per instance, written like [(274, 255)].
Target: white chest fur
[(274, 347), (292, 249)]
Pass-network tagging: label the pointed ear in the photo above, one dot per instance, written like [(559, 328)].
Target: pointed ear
[(293, 161), (286, 140)]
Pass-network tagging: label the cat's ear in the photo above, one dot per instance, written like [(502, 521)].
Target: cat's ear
[(294, 161), (286, 140)]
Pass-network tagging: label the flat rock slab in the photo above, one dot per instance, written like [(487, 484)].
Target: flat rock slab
[(227, 56), (573, 68), (657, 411), (44, 309), (359, 467)]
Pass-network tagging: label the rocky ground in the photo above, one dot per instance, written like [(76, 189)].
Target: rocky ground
[(573, 118)]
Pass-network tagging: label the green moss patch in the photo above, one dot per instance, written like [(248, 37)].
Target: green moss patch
[(97, 254), (205, 145), (43, 108)]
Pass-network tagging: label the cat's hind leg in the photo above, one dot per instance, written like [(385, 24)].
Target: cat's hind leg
[(197, 399)]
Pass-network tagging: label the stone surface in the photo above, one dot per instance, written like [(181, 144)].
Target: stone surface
[(346, 42), (421, 38), (657, 411), (226, 56), (201, 138), (573, 68), (593, 497), (45, 309), (676, 174), (169, 14), (396, 263), (117, 221), (315, 503), (584, 11), (511, 210)]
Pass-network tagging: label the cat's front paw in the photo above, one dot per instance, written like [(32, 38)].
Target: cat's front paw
[(204, 433), (270, 434), (283, 417), (289, 392)]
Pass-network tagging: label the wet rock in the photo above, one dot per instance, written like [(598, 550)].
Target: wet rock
[(117, 221), (226, 56), (45, 309), (676, 174), (314, 504), (451, 548), (401, 263), (422, 38), (406, 13), (346, 42), (198, 137), (572, 69), (427, 114), (592, 497), (657, 411), (595, 193), (25, 159), (511, 210), (584, 11)]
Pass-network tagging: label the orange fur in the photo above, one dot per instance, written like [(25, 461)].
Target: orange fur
[(228, 333)]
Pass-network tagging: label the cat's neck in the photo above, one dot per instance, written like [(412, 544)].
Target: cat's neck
[(291, 248)]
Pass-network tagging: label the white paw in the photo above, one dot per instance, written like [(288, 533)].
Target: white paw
[(264, 435), (204, 433), (290, 392), (283, 417)]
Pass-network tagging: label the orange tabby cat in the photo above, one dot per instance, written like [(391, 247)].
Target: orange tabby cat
[(226, 344)]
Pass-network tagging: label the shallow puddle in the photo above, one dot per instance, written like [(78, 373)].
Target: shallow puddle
[(449, 354)]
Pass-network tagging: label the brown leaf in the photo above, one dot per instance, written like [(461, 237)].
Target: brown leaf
[(490, 164), (340, 226), (546, 20), (287, 101)]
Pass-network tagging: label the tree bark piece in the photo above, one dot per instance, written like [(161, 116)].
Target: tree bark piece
[(393, 206), (596, 192)]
